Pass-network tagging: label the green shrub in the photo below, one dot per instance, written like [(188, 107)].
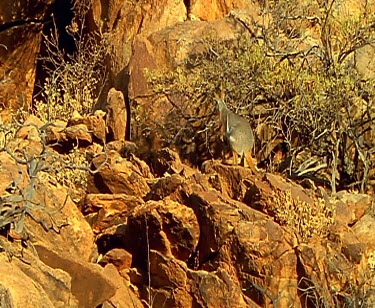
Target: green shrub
[(308, 95)]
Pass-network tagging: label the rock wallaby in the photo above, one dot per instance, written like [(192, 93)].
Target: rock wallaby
[(239, 134)]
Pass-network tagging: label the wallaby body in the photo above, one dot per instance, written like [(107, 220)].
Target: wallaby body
[(239, 134)]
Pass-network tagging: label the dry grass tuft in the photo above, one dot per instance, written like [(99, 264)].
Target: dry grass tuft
[(306, 220)]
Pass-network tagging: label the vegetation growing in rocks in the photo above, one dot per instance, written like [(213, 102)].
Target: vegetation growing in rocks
[(72, 84), (302, 93), (178, 239), (304, 96), (74, 81), (19, 201), (72, 87), (306, 220)]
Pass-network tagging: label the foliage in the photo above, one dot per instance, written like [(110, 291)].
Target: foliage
[(302, 88), (70, 169), (20, 198), (305, 219), (29, 164), (74, 81)]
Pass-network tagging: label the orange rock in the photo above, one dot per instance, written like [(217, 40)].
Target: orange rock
[(172, 226), (116, 118), (45, 285), (215, 9), (107, 210), (29, 130), (89, 285), (95, 124), (118, 257), (124, 21), (116, 175), (125, 296), (78, 133)]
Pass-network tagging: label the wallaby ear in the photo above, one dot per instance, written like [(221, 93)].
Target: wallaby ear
[(216, 97), (222, 92)]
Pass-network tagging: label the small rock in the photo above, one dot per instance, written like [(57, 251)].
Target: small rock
[(164, 187), (78, 133), (95, 124), (364, 229), (30, 127), (118, 257)]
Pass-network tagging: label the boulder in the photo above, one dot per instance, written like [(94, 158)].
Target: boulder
[(364, 61), (89, 285), (68, 137), (170, 227), (179, 42), (117, 176), (116, 118), (363, 229), (29, 129), (174, 285), (59, 225), (34, 284), (351, 207), (125, 296), (95, 124), (106, 210), (78, 133), (216, 289), (262, 248)]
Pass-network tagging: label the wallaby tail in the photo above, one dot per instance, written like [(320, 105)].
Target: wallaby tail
[(250, 162)]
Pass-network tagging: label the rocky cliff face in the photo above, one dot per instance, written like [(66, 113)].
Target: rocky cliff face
[(21, 25), (99, 211), (174, 236)]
